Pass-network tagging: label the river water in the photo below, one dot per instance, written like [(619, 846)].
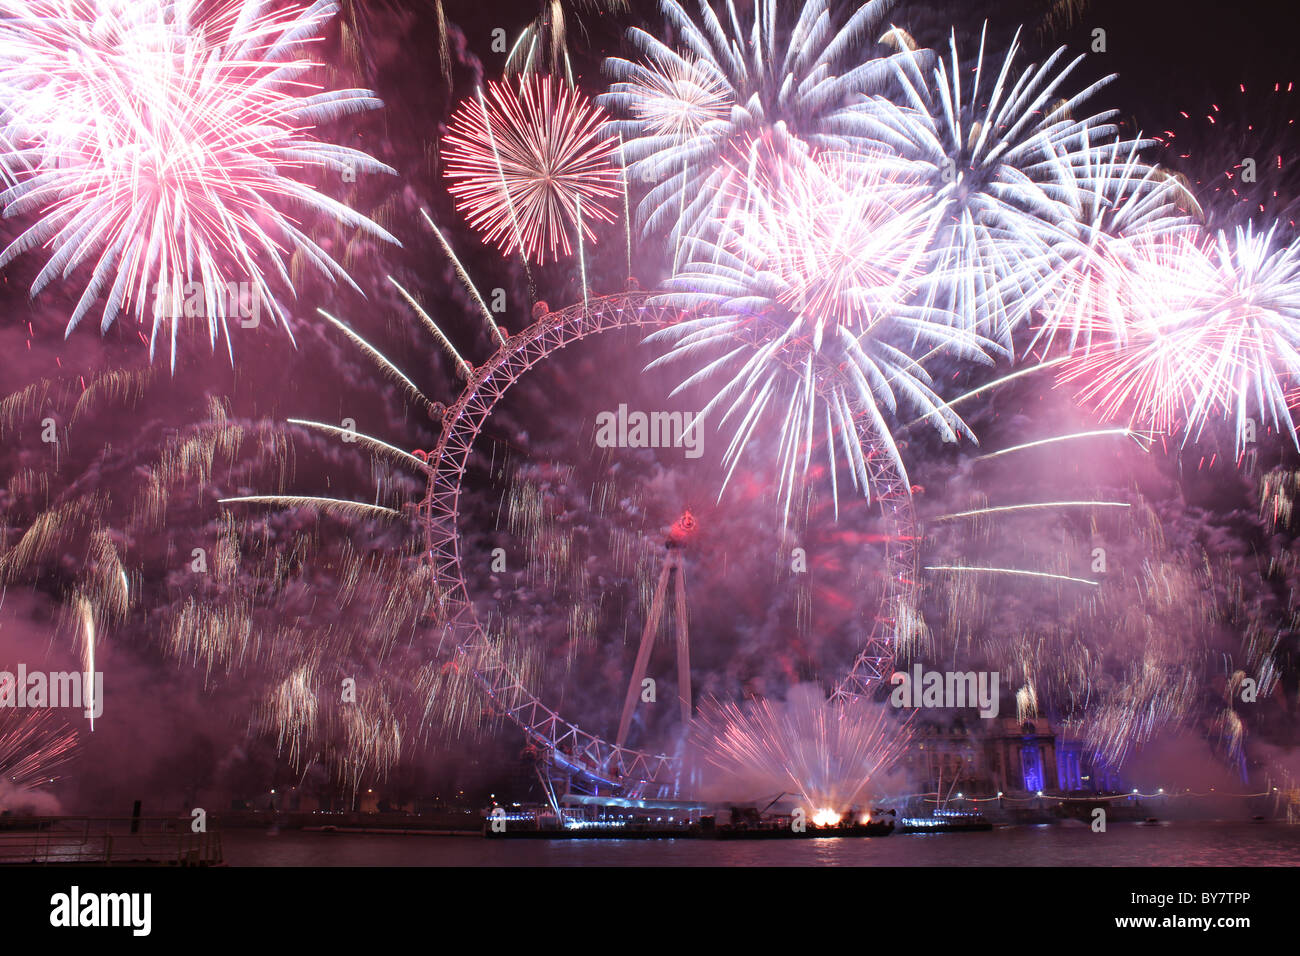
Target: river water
[(1171, 844)]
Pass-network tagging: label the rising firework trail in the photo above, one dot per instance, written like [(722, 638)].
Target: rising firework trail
[(1142, 439), (368, 441), (964, 569), (465, 279), (988, 386), (308, 501), (389, 369), (1031, 506)]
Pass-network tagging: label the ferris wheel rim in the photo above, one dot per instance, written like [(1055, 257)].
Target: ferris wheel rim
[(562, 741)]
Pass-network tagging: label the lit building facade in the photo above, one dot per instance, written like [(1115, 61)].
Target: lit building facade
[(987, 757)]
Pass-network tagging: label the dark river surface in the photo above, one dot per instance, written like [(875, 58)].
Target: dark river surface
[(1170, 844)]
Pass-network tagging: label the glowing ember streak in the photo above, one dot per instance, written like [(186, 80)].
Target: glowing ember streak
[(987, 386), (1017, 571), (1003, 509), (1137, 436)]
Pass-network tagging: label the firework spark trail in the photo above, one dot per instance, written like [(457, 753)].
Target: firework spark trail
[(1279, 490), (1031, 506), (543, 46), (465, 279), (988, 386), (368, 441), (461, 364), (34, 744), (524, 158), (307, 501), (1013, 571), (158, 150), (1142, 440), (829, 753), (384, 363)]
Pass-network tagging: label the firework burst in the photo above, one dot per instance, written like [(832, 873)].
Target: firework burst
[(802, 305), (1212, 331), (530, 164), (1112, 196), (828, 753), (695, 115), (994, 152), (161, 147)]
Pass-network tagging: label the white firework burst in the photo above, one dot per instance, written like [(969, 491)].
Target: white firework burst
[(692, 115), (997, 151), (800, 305)]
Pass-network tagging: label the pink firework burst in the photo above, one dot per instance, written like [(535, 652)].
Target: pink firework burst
[(160, 145), (1113, 196), (531, 163), (1212, 329)]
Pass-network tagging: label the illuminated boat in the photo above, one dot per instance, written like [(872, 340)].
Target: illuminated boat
[(946, 821)]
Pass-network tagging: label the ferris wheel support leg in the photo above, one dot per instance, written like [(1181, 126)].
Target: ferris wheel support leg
[(683, 643), (548, 788), (643, 654)]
